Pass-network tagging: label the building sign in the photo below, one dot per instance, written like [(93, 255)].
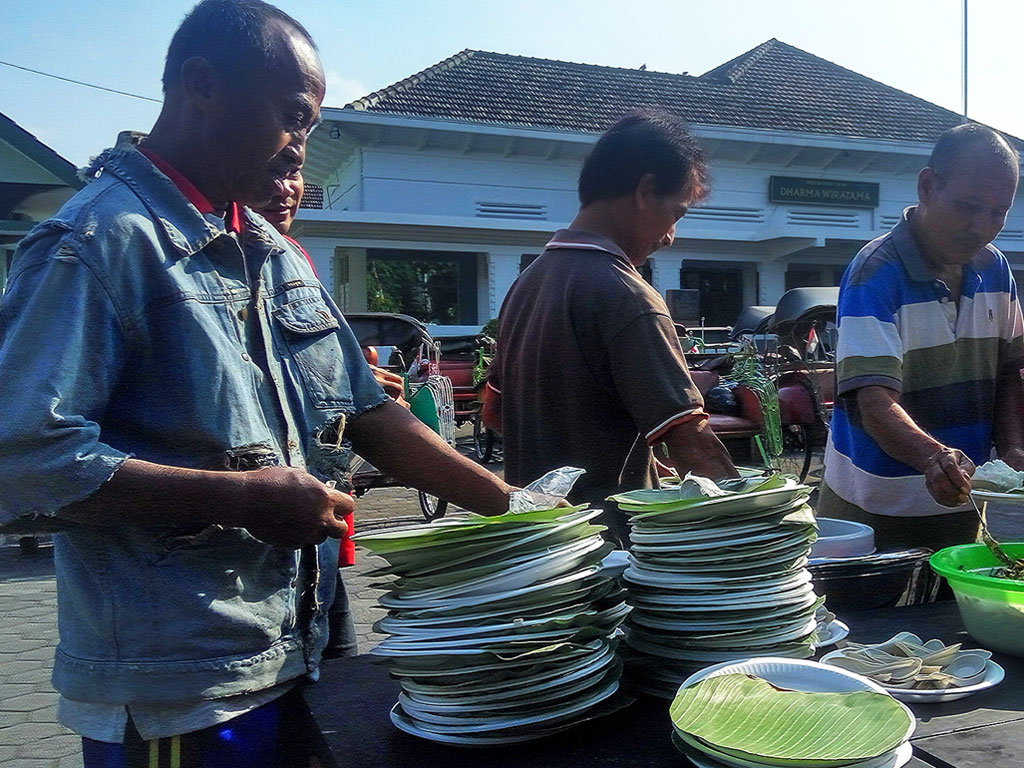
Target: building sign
[(849, 194)]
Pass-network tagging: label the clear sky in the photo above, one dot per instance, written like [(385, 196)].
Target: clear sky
[(367, 44)]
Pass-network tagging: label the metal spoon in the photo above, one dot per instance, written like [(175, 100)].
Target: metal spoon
[(988, 539)]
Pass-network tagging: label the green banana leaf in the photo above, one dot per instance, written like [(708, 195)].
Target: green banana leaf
[(692, 492), (750, 718)]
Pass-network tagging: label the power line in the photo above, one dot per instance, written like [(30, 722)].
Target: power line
[(79, 82)]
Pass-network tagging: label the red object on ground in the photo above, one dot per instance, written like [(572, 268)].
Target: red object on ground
[(347, 553)]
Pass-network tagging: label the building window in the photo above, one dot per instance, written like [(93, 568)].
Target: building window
[(802, 278), (813, 275), (721, 291), (432, 286)]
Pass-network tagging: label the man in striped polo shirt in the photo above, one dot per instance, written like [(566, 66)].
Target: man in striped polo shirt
[(930, 354)]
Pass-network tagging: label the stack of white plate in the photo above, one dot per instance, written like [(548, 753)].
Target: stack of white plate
[(501, 627), (737, 727), (717, 578)]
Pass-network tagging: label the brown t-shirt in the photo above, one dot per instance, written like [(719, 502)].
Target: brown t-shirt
[(588, 366)]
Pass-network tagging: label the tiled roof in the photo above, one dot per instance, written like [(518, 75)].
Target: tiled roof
[(773, 86), (313, 197)]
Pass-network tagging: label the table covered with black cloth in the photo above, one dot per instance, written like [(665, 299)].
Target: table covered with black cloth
[(349, 715)]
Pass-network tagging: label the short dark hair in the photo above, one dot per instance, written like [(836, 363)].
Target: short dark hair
[(649, 141), (234, 35), (957, 143)]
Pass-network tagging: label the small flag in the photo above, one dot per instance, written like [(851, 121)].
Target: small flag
[(812, 342)]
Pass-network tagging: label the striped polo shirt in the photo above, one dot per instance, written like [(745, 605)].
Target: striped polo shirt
[(900, 328)]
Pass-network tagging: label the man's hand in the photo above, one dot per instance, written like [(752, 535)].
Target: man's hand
[(947, 475), (694, 447), (290, 508)]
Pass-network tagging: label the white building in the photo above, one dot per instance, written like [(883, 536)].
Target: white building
[(34, 183), (438, 189)]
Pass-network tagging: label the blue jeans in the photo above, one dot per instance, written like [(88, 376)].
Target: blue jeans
[(272, 736), (341, 638)]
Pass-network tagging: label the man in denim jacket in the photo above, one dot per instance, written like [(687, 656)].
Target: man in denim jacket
[(155, 335)]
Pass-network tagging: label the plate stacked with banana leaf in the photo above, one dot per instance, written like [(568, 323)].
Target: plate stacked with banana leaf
[(717, 573), (788, 713), (501, 628)]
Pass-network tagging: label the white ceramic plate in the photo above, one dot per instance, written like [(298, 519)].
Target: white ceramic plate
[(994, 675), (798, 675), (405, 723), (541, 567), (593, 660), (722, 505), (996, 496), (561, 712), (895, 759), (559, 533), (400, 602)]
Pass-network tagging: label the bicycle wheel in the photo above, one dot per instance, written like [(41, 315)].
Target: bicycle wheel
[(797, 452), (432, 507), (483, 440)]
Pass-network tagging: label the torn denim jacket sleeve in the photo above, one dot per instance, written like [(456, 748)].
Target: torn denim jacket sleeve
[(61, 350)]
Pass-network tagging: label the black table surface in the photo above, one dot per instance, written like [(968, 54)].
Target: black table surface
[(350, 709)]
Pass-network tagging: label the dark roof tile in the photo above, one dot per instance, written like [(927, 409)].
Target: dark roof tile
[(773, 86)]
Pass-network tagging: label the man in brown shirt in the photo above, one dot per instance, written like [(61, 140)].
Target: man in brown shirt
[(589, 370)]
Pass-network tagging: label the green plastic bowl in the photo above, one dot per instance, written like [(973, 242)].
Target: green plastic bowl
[(992, 609)]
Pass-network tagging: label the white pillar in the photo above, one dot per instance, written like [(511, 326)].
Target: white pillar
[(341, 270), (502, 271), (321, 251), (772, 278), (483, 289), (665, 269)]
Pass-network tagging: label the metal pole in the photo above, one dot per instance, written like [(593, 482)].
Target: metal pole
[(965, 62)]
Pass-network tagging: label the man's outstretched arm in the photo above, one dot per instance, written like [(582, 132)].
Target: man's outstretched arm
[(398, 443), (279, 505), (947, 471), (694, 447)]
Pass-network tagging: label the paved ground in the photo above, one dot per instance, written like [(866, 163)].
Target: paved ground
[(29, 734)]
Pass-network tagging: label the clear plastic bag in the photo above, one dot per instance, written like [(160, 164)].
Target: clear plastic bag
[(546, 492)]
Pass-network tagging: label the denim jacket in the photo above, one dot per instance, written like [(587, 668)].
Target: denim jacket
[(124, 333)]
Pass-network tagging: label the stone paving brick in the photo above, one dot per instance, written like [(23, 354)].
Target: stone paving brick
[(53, 747), (26, 733), (8, 719), (71, 761), (7, 753), (22, 762), (17, 666), (16, 690), (41, 674), (30, 702)]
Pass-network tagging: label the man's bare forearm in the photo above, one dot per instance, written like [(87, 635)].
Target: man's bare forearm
[(144, 494), (395, 441), (694, 447), (283, 506), (896, 433)]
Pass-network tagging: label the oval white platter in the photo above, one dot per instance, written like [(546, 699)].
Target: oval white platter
[(994, 675), (834, 631), (895, 759), (998, 496)]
